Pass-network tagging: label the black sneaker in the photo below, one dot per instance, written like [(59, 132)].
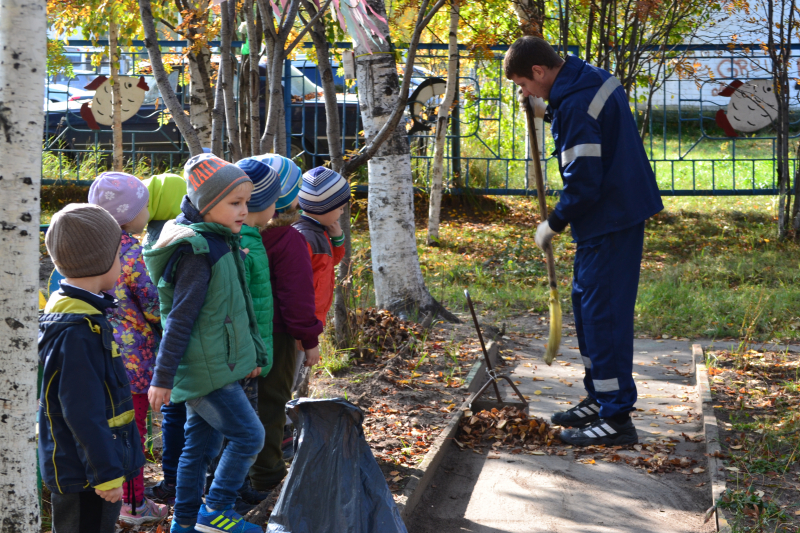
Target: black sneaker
[(162, 492), (241, 506), (251, 495), (583, 414), (604, 431)]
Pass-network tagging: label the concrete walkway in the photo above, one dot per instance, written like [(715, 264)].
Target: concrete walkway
[(532, 493)]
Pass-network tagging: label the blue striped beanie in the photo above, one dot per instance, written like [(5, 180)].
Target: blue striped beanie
[(290, 176), (322, 191), (266, 183)]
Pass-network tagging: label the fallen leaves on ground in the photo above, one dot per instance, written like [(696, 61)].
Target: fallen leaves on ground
[(756, 399), (505, 428)]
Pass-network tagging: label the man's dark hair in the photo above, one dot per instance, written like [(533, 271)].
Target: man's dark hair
[(526, 52)]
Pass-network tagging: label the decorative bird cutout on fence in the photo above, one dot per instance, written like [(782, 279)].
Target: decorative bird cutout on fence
[(132, 91), (753, 106)]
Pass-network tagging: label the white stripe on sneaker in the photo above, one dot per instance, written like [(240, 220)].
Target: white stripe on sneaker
[(579, 413), (609, 429), (594, 407), (587, 411)]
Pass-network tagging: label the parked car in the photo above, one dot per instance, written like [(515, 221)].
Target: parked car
[(57, 92), (148, 131)]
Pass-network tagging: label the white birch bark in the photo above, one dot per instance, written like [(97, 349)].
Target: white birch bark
[(200, 112), (399, 285), (530, 13), (23, 27), (116, 91), (435, 205), (539, 109)]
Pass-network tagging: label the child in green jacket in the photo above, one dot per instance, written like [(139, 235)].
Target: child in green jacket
[(211, 341), (261, 209)]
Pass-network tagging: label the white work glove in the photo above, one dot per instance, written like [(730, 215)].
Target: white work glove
[(538, 104), (544, 235)]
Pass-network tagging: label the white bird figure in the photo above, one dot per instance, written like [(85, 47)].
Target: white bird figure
[(132, 91), (753, 106)]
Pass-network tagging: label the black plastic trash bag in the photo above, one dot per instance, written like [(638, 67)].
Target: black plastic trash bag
[(334, 484)]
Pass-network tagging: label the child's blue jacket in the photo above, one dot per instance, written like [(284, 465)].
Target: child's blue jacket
[(609, 184), (87, 434)]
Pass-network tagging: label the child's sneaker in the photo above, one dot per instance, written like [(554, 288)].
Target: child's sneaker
[(176, 528), (162, 492), (147, 514), (225, 521)]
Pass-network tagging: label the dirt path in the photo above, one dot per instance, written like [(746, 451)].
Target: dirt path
[(582, 493)]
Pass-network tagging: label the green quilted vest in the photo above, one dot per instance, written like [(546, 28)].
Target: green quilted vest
[(225, 344), (257, 270)]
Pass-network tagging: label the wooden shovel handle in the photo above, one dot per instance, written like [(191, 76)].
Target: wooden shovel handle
[(540, 192)]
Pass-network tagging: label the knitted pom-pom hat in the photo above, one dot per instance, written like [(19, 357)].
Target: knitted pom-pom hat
[(209, 179), (266, 183), (122, 195), (289, 174), (322, 191)]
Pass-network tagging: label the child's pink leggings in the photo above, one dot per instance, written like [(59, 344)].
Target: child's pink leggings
[(140, 406)]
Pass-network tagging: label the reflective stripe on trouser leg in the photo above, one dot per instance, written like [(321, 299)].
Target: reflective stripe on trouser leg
[(606, 278)]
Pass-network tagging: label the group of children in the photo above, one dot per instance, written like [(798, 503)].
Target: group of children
[(208, 323)]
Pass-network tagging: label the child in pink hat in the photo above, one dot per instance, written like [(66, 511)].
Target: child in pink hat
[(136, 321)]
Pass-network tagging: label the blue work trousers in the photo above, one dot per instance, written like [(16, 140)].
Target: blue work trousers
[(604, 286)]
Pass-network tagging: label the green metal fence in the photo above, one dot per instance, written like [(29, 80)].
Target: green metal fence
[(486, 149)]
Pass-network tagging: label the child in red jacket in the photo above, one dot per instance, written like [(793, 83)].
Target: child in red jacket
[(322, 196)]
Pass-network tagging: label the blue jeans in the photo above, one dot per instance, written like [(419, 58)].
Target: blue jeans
[(224, 413), (604, 287), (172, 439)]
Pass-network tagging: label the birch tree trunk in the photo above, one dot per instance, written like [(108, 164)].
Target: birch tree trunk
[(399, 285), (23, 27), (228, 16), (530, 14), (435, 205), (201, 108), (252, 72), (170, 99), (116, 92), (218, 116)]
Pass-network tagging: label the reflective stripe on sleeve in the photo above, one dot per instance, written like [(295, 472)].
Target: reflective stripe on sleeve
[(599, 100), (580, 150)]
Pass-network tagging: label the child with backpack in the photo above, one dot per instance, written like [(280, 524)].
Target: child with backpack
[(88, 441), (211, 341), (136, 321)]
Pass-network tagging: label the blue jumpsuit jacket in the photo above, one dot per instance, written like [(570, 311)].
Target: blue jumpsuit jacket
[(608, 182)]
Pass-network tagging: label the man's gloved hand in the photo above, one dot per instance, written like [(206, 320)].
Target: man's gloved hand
[(544, 235), (539, 106)]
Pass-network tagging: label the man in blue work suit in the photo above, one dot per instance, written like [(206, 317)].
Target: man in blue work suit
[(609, 192)]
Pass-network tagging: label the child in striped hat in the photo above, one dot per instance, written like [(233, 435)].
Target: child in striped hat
[(323, 195), (295, 326)]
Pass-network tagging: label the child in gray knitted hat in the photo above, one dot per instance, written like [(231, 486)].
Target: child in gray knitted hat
[(88, 442), (211, 342)]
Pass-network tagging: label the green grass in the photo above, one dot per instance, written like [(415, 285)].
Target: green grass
[(57, 166), (712, 267)]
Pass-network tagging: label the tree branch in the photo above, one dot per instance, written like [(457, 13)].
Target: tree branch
[(307, 26), (369, 151), (170, 99)]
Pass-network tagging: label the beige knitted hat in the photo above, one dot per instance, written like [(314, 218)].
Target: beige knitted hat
[(83, 240)]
